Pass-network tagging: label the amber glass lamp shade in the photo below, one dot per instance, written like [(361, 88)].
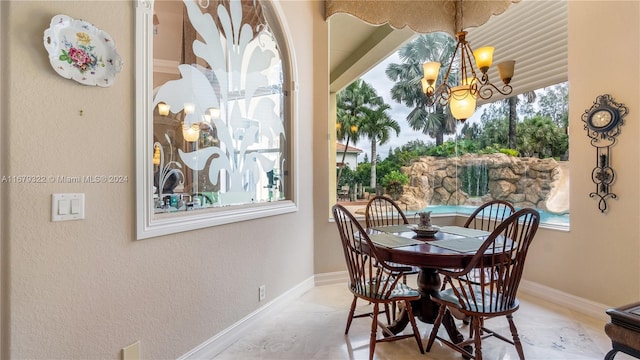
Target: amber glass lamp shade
[(505, 70), (430, 71), (462, 102), (484, 58)]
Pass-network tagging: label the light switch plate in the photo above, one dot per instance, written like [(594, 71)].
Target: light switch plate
[(67, 207), (131, 352)]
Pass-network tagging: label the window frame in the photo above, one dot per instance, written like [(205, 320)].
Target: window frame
[(149, 224)]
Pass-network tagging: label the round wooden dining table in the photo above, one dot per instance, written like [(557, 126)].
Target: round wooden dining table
[(429, 258)]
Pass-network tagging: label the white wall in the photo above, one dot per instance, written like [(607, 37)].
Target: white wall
[(85, 289)]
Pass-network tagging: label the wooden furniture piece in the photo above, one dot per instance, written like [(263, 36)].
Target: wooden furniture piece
[(489, 215), (343, 193), (430, 258), (383, 211), (624, 330), (500, 262), (486, 217), (371, 278)]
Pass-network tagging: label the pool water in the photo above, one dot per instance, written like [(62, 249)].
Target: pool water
[(545, 217)]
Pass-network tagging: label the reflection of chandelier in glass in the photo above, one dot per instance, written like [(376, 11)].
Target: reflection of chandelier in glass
[(462, 97), (156, 154), (191, 133), (163, 109)]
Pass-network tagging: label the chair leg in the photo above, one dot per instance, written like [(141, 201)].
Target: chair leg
[(374, 331), (351, 312), (476, 324), (516, 338), (416, 333), (436, 325), (386, 311), (394, 309)]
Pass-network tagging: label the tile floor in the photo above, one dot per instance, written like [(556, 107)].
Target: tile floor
[(312, 327)]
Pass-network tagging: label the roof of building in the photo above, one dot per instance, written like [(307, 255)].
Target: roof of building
[(350, 149)]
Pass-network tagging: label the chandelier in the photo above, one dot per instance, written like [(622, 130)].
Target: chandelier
[(462, 98)]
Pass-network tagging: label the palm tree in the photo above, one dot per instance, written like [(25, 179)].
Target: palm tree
[(435, 121), (540, 135), (376, 126), (529, 97), (351, 104)]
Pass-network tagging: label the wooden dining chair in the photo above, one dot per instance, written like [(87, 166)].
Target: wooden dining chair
[(383, 211), (501, 260), (486, 217), (489, 215), (372, 279)]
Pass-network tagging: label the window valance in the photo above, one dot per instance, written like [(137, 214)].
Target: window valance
[(422, 16)]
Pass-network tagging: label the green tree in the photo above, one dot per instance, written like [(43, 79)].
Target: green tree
[(528, 97), (394, 183), (435, 121), (352, 103), (541, 136), (384, 167), (363, 174), (554, 104), (470, 131), (348, 178), (495, 127), (377, 126)]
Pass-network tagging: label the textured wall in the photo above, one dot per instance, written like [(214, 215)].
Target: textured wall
[(85, 289)]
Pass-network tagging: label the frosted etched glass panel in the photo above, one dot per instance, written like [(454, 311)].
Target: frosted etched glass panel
[(220, 112)]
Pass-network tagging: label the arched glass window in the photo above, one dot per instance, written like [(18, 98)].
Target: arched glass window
[(215, 112)]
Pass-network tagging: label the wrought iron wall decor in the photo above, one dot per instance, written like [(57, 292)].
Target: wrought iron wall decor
[(602, 122)]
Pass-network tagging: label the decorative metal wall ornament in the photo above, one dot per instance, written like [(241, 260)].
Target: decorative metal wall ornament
[(602, 122)]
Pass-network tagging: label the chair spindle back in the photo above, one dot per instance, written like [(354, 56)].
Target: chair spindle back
[(489, 215), (383, 211), (369, 276), (498, 263)]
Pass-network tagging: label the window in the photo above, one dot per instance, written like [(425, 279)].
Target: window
[(214, 117)]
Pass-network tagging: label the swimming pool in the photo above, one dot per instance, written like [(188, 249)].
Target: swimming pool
[(545, 217)]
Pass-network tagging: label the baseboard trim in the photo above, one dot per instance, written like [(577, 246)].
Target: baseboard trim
[(331, 278), (218, 343), (557, 297), (225, 338)]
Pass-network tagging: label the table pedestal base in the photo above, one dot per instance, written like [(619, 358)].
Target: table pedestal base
[(426, 310)]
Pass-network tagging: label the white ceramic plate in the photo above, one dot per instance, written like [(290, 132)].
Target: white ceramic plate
[(82, 52)]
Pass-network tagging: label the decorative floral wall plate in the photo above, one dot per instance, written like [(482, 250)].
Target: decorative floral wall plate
[(80, 51)]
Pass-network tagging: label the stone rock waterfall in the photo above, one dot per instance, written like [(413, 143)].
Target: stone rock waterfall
[(472, 179)]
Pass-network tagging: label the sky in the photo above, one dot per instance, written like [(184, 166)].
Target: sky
[(377, 78)]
